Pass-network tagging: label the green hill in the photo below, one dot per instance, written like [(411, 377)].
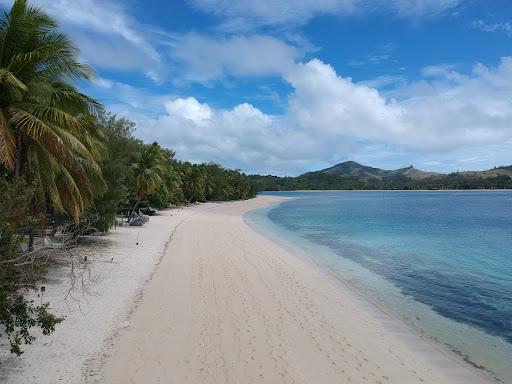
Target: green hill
[(351, 175), (351, 169)]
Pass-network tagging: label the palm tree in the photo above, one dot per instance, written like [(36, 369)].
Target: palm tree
[(44, 133), (147, 170), (194, 183)]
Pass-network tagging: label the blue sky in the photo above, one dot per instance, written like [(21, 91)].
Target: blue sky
[(288, 86)]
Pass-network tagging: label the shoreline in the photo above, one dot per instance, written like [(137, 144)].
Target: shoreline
[(388, 319), (240, 308), (206, 297), (390, 190)]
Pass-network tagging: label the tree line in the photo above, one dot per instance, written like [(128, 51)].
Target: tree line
[(64, 159), (320, 181), (140, 175)]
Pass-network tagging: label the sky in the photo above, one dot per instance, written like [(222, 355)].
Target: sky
[(288, 86)]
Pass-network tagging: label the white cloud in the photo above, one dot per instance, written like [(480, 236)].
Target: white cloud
[(417, 8), (241, 136), (244, 14), (481, 25), (207, 58), (106, 35), (457, 110), (110, 38), (126, 100), (381, 54), (189, 109), (325, 102), (247, 13), (102, 83), (370, 60), (385, 81), (438, 70), (103, 17), (329, 117)]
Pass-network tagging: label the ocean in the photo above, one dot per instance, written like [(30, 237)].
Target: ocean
[(439, 261)]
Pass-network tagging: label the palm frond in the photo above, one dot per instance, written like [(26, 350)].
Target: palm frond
[(9, 80), (69, 193), (25, 121), (147, 182), (74, 144), (51, 115), (45, 169), (97, 185), (54, 145), (45, 136), (58, 148), (7, 143), (67, 97), (22, 25)]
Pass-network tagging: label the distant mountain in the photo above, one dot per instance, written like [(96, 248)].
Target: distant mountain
[(490, 173), (351, 169), (351, 175)]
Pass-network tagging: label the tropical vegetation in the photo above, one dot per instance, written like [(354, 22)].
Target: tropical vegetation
[(65, 161), (328, 182)]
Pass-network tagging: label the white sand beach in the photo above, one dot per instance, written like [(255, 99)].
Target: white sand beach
[(227, 305), (119, 269), (204, 298), (315, 192)]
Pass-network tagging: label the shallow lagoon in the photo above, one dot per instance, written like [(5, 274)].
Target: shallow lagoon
[(440, 261)]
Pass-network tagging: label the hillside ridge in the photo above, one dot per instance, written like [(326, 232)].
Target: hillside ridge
[(353, 175)]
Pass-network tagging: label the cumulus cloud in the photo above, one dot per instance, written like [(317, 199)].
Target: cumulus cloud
[(189, 110), (245, 14), (452, 110), (329, 116), (457, 110), (206, 58), (242, 136), (327, 103)]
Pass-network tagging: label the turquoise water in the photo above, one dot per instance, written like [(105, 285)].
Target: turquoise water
[(441, 261)]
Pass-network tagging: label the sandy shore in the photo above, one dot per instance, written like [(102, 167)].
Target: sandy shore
[(119, 269), (227, 305)]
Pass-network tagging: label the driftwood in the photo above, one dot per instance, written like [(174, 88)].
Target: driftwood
[(65, 246)]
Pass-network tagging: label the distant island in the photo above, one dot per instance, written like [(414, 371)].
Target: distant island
[(350, 175)]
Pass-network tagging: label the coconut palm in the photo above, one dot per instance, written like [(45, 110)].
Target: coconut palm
[(44, 135), (194, 182), (147, 172)]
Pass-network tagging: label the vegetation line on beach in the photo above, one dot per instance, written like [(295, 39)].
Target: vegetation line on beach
[(68, 168)]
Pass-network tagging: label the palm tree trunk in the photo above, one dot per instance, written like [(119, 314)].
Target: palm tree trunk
[(134, 208), (31, 236), (17, 162)]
